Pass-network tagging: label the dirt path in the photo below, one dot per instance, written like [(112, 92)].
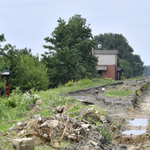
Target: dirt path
[(137, 127), (132, 111)]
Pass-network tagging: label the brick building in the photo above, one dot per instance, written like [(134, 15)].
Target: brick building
[(107, 63)]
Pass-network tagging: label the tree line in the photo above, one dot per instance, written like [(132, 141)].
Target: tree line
[(68, 57)]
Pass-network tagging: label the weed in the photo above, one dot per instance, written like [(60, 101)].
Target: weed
[(119, 93), (106, 133)]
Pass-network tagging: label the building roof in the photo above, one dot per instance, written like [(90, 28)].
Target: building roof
[(110, 52)]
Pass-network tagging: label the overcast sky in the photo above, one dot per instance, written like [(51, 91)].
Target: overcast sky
[(25, 23)]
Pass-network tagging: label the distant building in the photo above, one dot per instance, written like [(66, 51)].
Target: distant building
[(107, 63)]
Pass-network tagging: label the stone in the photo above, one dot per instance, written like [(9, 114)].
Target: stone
[(103, 89), (82, 131), (103, 119), (22, 132), (39, 118), (60, 109), (85, 125), (86, 112), (20, 124), (46, 124), (54, 123), (55, 143), (73, 137), (93, 143), (45, 135), (38, 102), (23, 144), (87, 147), (13, 127), (101, 139)]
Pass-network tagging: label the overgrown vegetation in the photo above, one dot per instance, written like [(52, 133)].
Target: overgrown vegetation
[(17, 107)]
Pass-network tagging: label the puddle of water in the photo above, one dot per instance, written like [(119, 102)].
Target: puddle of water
[(138, 122), (134, 132)]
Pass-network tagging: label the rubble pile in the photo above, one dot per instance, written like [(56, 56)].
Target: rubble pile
[(81, 133)]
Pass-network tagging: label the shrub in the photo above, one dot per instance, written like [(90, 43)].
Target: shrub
[(70, 83), (86, 82)]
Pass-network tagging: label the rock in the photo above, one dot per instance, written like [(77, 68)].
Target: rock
[(23, 144), (39, 118), (13, 127), (82, 131), (46, 124), (103, 119), (103, 89), (20, 124), (38, 102), (55, 143), (54, 123), (85, 125), (22, 132), (45, 135), (86, 112), (85, 121), (60, 109), (102, 139), (93, 143), (84, 101), (87, 147), (113, 128), (73, 137)]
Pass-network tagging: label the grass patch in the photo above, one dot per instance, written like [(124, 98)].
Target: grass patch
[(119, 93)]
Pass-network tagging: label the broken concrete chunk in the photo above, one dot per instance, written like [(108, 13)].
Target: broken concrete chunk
[(22, 132), (103, 119), (46, 124), (23, 144), (54, 123), (93, 143), (86, 112), (85, 125), (13, 127), (102, 139), (60, 109)]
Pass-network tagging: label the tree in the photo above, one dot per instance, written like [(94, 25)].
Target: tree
[(26, 71), (127, 70), (73, 59), (110, 41), (3, 65), (34, 73)]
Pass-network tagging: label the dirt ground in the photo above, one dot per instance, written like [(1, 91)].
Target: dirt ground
[(140, 141), (125, 109)]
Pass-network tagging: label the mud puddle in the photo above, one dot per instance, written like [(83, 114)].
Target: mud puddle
[(136, 126)]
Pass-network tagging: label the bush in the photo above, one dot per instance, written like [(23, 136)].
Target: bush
[(86, 82), (70, 83)]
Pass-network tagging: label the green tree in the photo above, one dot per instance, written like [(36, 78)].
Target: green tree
[(110, 41), (26, 71), (73, 59), (127, 70), (34, 73), (3, 65)]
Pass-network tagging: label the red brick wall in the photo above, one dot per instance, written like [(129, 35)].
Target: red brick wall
[(110, 72)]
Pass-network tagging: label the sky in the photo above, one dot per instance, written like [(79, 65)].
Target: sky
[(25, 23)]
